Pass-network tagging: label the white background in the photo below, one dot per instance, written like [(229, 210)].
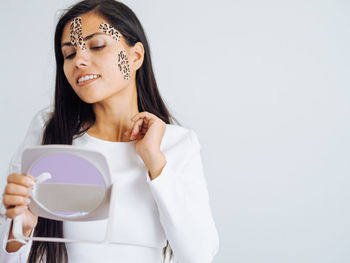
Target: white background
[(265, 84)]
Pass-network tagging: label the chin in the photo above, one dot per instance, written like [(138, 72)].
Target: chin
[(94, 96), (90, 99)]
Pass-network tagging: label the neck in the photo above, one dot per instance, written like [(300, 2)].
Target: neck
[(113, 115)]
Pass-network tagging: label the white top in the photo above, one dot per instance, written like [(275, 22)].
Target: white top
[(174, 206)]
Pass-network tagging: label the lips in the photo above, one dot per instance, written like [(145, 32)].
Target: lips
[(86, 76)]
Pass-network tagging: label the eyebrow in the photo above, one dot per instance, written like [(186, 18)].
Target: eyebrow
[(85, 39)]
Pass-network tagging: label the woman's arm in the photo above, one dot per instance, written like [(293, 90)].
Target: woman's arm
[(183, 203), (12, 252)]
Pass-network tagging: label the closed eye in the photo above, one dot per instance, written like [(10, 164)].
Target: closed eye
[(70, 56), (94, 48), (97, 48)]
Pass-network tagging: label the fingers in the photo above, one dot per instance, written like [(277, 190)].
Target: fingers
[(16, 192), (21, 179), (140, 127), (18, 210), (137, 127), (148, 116), (142, 122), (144, 130), (16, 189), (15, 200), (128, 133)]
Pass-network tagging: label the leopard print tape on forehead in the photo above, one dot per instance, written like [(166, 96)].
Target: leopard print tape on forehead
[(76, 35), (110, 30), (123, 64)]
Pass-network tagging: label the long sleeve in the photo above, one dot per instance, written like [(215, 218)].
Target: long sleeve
[(21, 255), (33, 137), (182, 199)]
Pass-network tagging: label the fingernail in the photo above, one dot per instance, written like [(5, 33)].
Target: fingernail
[(28, 200), (31, 184), (34, 178)]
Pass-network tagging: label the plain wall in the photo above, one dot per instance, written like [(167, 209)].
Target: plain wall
[(265, 84)]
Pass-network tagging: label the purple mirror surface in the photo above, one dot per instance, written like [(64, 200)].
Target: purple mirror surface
[(75, 188)]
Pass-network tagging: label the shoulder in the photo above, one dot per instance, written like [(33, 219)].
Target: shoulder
[(179, 141), (175, 135), (37, 125), (42, 116), (32, 137)]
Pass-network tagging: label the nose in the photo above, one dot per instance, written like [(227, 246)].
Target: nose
[(82, 58)]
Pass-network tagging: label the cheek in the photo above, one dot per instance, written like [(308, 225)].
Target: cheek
[(123, 64), (115, 67), (67, 72)]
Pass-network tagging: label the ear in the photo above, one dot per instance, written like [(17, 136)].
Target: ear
[(137, 54)]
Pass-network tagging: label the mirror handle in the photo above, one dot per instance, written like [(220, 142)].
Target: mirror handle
[(17, 229), (17, 221)]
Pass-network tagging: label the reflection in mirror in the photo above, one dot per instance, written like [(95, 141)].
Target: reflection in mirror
[(74, 188)]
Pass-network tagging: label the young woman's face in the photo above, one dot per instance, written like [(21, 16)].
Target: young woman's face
[(95, 54)]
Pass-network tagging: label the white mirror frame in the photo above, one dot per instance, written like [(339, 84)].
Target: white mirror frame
[(31, 156)]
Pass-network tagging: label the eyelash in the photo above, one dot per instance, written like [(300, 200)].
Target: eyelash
[(95, 48)]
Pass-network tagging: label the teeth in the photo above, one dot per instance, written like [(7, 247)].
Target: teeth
[(87, 77)]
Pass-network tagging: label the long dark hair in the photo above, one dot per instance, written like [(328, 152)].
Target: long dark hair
[(71, 114)]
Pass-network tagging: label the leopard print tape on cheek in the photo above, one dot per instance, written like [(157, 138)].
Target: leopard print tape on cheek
[(76, 35), (110, 30), (123, 64)]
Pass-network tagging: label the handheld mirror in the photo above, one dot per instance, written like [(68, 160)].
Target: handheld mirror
[(72, 184)]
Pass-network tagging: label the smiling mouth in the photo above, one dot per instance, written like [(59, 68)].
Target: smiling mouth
[(87, 79)]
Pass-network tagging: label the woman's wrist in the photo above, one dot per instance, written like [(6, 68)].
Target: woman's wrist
[(27, 232), (155, 164), (14, 246)]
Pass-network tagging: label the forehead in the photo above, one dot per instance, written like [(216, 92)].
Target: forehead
[(90, 23)]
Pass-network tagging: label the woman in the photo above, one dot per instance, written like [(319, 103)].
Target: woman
[(106, 99)]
